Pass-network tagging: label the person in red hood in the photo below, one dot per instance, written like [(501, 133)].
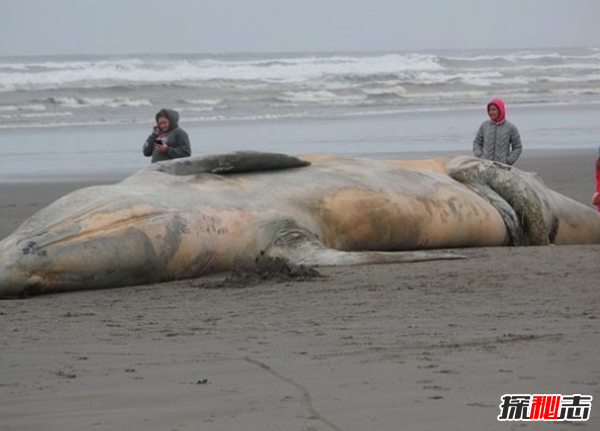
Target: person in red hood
[(497, 139), (596, 196)]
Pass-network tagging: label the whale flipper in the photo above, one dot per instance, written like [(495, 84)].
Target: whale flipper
[(300, 247)]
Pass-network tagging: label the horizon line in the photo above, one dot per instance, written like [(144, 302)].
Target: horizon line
[(298, 52)]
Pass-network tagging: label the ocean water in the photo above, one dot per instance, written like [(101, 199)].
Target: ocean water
[(79, 115)]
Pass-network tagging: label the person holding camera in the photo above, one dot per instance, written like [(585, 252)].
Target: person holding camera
[(167, 140)]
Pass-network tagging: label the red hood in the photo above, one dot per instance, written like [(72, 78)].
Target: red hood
[(500, 104)]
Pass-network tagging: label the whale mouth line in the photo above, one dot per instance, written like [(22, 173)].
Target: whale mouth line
[(103, 230)]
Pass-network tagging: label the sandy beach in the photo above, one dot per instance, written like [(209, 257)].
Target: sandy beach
[(422, 346)]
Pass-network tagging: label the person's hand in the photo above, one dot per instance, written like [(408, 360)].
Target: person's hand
[(155, 130), (161, 148), (596, 199)]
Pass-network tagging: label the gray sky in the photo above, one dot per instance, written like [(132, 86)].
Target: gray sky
[(32, 27)]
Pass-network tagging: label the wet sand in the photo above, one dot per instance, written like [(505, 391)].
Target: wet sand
[(425, 346)]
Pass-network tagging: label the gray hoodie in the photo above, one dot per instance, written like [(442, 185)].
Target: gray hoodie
[(176, 139), (499, 142)]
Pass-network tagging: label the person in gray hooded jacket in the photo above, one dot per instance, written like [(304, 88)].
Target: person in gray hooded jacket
[(167, 140), (498, 139)]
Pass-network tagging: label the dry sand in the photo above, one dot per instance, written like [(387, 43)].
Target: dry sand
[(425, 346)]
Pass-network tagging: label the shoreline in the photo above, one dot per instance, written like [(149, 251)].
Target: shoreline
[(530, 158), (24, 155)]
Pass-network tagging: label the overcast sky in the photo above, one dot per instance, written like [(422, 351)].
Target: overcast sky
[(32, 27)]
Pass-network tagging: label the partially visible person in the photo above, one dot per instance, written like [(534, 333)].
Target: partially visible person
[(497, 139), (596, 196), (167, 140)]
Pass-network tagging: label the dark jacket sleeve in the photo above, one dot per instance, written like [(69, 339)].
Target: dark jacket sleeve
[(516, 146), (148, 147), (478, 143), (181, 147)]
